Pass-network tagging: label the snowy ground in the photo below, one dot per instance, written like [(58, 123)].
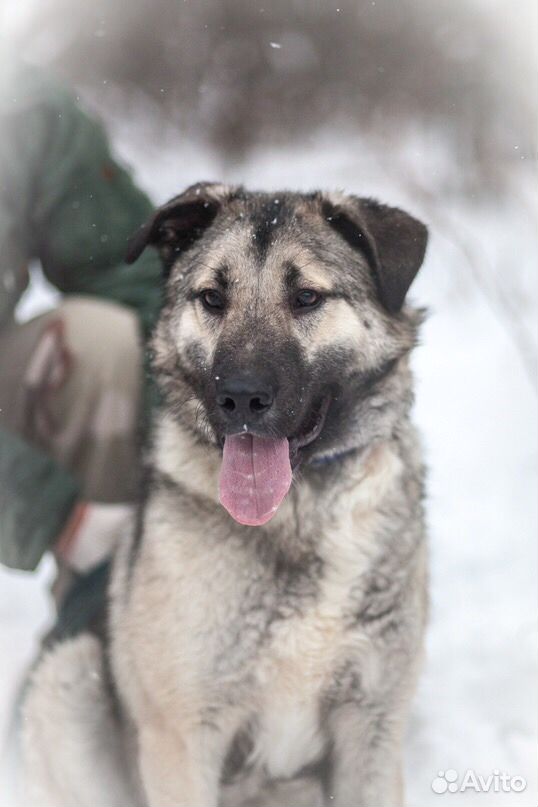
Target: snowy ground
[(476, 707)]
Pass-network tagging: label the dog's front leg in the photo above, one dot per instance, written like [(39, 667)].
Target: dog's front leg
[(366, 766), (181, 766)]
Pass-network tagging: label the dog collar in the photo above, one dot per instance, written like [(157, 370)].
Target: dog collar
[(320, 462)]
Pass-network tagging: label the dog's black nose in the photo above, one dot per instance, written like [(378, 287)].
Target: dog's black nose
[(240, 398)]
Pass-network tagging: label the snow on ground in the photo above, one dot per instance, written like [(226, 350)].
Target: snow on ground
[(476, 707)]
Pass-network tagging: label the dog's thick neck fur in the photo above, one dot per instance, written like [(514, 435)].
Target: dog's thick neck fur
[(324, 500)]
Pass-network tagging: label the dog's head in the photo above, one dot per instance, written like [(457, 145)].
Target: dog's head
[(284, 336)]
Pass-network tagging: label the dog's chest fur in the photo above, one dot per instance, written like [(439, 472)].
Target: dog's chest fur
[(300, 665), (267, 641)]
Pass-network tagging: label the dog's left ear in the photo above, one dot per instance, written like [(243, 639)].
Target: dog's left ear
[(393, 242), (176, 225)]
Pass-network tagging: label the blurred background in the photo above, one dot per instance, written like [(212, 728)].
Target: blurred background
[(430, 105)]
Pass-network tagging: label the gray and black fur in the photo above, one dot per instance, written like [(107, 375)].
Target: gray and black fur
[(267, 665)]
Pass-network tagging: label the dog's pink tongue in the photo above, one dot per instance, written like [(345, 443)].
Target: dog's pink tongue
[(254, 477)]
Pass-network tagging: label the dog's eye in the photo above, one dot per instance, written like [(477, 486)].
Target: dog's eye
[(306, 300), (212, 300)]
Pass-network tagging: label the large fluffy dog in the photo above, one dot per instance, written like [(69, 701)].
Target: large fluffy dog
[(267, 616)]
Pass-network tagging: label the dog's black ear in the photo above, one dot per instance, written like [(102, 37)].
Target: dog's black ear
[(178, 223), (393, 242)]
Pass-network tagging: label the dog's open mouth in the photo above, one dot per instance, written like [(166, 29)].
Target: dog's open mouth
[(256, 472), (313, 431)]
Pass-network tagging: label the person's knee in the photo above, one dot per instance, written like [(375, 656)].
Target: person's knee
[(104, 342), (83, 395)]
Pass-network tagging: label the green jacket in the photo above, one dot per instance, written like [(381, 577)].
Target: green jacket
[(65, 201)]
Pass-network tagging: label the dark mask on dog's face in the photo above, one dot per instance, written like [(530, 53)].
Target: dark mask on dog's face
[(283, 329)]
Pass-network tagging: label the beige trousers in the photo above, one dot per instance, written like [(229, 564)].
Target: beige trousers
[(70, 384)]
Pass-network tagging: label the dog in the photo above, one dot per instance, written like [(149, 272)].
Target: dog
[(267, 616)]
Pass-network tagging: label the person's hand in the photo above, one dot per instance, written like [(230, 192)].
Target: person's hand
[(92, 533), (47, 372)]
